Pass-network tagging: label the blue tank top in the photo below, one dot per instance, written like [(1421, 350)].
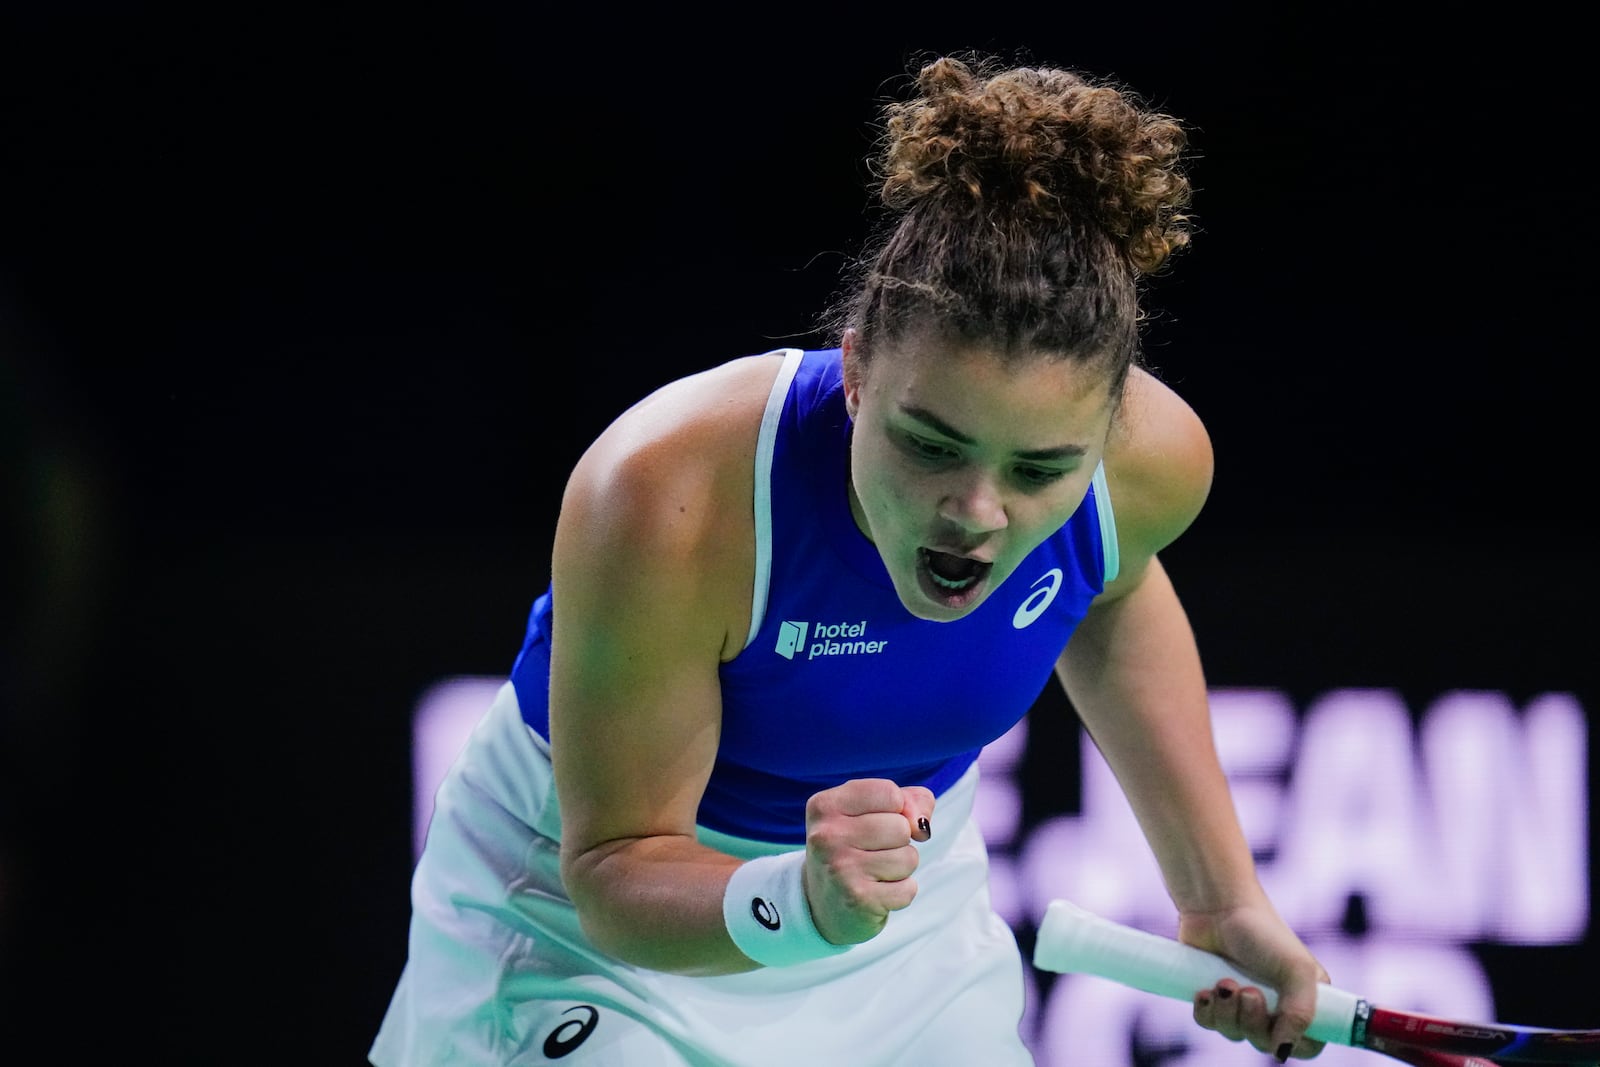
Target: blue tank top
[(837, 680)]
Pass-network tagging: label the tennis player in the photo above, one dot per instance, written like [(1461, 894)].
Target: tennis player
[(719, 813)]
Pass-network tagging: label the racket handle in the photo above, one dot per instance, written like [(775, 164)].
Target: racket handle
[(1072, 940)]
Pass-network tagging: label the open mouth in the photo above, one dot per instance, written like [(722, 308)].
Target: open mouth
[(950, 579)]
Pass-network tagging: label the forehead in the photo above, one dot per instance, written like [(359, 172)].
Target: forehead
[(975, 388)]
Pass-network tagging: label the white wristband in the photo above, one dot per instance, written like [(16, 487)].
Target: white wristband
[(765, 911)]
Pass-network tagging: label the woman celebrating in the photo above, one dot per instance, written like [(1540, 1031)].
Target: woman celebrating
[(719, 813)]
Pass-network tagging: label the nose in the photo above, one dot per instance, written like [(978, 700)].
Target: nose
[(976, 505)]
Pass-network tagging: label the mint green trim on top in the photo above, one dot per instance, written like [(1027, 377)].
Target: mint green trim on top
[(1108, 524), (766, 444)]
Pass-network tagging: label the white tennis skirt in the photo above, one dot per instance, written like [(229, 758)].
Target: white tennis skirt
[(499, 972)]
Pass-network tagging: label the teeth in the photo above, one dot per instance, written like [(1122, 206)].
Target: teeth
[(947, 583)]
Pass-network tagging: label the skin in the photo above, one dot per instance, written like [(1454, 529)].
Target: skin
[(953, 451), (964, 455)]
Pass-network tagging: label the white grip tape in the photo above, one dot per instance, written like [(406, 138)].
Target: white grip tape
[(1072, 940), (765, 911)]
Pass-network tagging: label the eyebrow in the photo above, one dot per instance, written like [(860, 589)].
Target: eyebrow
[(934, 422)]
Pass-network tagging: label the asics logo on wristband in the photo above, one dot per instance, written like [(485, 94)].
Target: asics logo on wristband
[(1038, 600), (569, 1035), (766, 913)]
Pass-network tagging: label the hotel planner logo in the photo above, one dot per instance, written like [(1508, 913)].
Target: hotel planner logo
[(827, 639)]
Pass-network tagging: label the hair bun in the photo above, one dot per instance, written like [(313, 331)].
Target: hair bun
[(1041, 143)]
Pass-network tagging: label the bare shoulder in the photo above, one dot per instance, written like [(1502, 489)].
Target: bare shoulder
[(1159, 465), (663, 497)]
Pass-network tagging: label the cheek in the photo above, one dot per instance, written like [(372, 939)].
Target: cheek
[(901, 503), (885, 490), (1038, 518), (1050, 510)]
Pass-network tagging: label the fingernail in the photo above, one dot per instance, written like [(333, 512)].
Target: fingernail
[(1205, 1000), (924, 825), (1284, 1050), (1224, 994)]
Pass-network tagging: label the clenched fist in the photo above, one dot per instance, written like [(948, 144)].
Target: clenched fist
[(859, 857)]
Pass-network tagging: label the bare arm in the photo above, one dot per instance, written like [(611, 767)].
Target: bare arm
[(652, 573), (1133, 673), (645, 575)]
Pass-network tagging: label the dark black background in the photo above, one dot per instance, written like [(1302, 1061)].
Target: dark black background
[(304, 315)]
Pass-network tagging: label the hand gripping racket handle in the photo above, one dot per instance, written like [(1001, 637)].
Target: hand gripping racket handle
[(1074, 941)]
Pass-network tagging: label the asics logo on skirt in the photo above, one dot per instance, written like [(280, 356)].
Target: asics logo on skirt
[(569, 1035)]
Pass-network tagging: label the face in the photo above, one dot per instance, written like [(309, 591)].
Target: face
[(960, 465)]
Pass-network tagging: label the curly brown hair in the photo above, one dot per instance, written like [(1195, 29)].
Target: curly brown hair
[(1022, 207)]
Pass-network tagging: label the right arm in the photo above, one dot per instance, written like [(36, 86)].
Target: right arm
[(652, 574), (642, 619)]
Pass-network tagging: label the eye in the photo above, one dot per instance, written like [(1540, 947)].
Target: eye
[(1037, 477), (924, 449)]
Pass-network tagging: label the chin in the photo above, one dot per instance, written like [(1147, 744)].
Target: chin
[(937, 605)]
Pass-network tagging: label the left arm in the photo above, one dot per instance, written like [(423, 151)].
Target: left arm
[(1133, 673)]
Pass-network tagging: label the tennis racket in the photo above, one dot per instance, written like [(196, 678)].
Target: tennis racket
[(1072, 940)]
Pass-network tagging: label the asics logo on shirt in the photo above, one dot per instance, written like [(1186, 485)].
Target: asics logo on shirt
[(1038, 600), (827, 639)]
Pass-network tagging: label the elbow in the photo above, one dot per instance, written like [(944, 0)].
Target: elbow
[(628, 914), (597, 882), (583, 878)]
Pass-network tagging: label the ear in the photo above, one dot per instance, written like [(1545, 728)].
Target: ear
[(850, 361)]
